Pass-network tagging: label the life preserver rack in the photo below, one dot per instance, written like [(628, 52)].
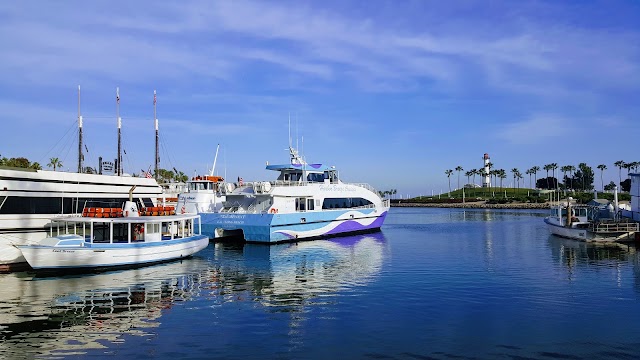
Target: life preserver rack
[(117, 212), (99, 212), (158, 211)]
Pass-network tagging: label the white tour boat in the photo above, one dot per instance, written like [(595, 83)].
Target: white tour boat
[(30, 198), (112, 237), (306, 201)]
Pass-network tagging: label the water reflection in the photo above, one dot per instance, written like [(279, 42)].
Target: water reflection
[(572, 254), (287, 276), (64, 315), (80, 314)]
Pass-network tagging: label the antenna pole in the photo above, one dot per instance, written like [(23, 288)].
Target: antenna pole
[(289, 130), (119, 158), (155, 118), (215, 159), (80, 155)]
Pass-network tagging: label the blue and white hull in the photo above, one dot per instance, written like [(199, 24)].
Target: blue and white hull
[(273, 228)]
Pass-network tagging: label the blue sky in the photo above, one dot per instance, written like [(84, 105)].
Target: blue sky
[(392, 93)]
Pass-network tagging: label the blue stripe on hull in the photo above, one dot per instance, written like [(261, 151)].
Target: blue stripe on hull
[(273, 228)]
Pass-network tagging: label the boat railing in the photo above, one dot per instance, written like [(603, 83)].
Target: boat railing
[(614, 227), (305, 183)]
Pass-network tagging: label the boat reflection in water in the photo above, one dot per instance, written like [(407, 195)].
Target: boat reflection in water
[(604, 257), (60, 316), (99, 313), (292, 274)]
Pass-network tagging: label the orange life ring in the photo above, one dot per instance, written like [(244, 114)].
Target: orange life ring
[(273, 211)]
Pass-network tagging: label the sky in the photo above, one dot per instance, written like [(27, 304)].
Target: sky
[(392, 93)]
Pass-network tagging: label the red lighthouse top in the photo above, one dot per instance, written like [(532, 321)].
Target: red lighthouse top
[(486, 156)]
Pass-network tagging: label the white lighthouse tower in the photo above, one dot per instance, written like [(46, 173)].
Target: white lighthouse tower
[(487, 178)]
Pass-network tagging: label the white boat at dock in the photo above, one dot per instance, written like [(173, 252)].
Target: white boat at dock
[(115, 237), (590, 223)]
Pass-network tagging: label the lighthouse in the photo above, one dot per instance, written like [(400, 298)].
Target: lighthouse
[(487, 178)]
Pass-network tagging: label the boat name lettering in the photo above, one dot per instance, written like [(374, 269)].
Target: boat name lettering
[(63, 251), (230, 216), (336, 188)]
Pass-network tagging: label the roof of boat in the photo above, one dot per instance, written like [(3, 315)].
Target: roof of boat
[(130, 219), (301, 167)]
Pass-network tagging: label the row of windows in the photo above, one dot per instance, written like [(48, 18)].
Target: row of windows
[(345, 203), (48, 205), (305, 204)]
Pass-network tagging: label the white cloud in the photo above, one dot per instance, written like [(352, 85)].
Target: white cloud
[(535, 130)]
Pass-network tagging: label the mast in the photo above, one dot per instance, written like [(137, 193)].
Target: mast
[(80, 155), (119, 158), (215, 159), (155, 118)]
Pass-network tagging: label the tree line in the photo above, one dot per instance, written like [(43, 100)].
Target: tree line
[(574, 178)]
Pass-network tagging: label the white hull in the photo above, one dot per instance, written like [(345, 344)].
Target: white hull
[(46, 257), (570, 233)]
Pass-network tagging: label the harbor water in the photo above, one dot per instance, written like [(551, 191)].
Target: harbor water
[(433, 284)]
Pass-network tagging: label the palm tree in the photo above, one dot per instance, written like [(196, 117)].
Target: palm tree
[(572, 170), (554, 166), (519, 177), (619, 164), (628, 166), (448, 173), (458, 169), (468, 175), (502, 176), (547, 168), (602, 168), (529, 172), (55, 163), (534, 171), (565, 169), (515, 175)]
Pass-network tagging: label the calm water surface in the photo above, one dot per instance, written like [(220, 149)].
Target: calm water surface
[(434, 284)]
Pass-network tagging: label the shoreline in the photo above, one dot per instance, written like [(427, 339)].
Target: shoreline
[(477, 205)]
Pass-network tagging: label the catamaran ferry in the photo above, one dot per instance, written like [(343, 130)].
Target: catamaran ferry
[(305, 201)]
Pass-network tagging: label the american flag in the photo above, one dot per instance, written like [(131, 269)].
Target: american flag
[(148, 175), (154, 97)]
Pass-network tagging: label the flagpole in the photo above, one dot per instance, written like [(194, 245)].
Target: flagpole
[(119, 158), (80, 155), (155, 118)]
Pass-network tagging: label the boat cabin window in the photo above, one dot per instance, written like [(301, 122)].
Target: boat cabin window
[(310, 204), (48, 205), (137, 232), (101, 232), (301, 204), (331, 176), (120, 232), (345, 203), (315, 177)]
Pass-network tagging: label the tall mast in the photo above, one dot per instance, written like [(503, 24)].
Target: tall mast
[(215, 159), (119, 158), (80, 155), (157, 137)]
